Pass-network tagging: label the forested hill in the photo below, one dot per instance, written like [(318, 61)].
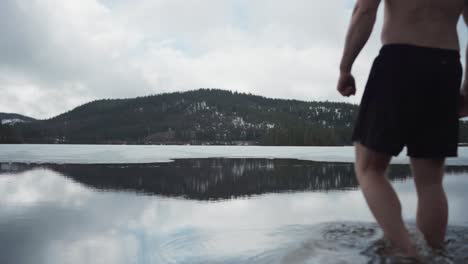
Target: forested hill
[(8, 118), (205, 116)]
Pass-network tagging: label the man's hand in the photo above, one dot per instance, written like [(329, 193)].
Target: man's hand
[(346, 84), (463, 112)]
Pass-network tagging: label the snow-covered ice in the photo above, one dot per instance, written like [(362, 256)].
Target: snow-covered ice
[(119, 154)]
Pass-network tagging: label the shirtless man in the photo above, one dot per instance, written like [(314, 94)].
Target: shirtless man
[(412, 99)]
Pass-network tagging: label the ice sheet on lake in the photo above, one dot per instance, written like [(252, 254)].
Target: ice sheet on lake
[(121, 154)]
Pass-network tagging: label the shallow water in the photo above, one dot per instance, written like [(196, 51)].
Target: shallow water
[(207, 211)]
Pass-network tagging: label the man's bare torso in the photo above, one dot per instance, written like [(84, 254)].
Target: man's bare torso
[(430, 23)]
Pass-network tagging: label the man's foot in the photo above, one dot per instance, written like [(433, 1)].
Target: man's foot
[(412, 252), (406, 248)]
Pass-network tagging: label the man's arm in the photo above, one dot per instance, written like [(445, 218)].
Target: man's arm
[(463, 112), (465, 83), (362, 23)]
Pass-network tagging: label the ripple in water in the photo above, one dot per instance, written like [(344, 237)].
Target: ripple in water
[(363, 243), (335, 243)]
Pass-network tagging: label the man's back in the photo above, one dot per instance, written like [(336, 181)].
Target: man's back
[(430, 23)]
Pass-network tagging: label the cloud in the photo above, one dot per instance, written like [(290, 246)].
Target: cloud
[(57, 54), (62, 51)]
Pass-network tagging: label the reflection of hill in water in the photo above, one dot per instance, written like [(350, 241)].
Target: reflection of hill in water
[(208, 179)]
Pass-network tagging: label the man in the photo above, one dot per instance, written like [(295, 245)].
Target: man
[(412, 99)]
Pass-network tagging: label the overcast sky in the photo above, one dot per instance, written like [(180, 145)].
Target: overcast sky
[(58, 54)]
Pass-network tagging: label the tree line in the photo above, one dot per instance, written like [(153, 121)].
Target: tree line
[(204, 116)]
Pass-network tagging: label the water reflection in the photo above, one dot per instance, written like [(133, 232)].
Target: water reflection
[(49, 218), (208, 179)]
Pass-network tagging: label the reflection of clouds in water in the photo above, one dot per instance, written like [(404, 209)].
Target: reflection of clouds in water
[(57, 220), (40, 186), (100, 222), (266, 211), (109, 247), (456, 186), (457, 192)]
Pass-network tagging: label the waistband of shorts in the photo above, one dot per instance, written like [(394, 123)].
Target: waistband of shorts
[(419, 51)]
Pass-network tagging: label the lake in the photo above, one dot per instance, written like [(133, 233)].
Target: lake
[(197, 204)]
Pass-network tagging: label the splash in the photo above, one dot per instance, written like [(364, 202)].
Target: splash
[(363, 243), (332, 243)]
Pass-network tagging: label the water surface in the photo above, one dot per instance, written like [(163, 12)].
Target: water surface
[(206, 211)]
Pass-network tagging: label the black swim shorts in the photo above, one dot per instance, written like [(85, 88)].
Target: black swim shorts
[(411, 99)]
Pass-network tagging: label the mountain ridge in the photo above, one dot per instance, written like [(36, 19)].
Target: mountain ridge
[(203, 116)]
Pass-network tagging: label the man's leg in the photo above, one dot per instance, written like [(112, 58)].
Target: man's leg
[(381, 197), (432, 216)]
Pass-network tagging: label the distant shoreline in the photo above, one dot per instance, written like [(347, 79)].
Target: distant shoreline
[(246, 144)]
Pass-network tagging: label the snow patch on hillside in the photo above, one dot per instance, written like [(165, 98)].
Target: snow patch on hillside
[(12, 121)]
